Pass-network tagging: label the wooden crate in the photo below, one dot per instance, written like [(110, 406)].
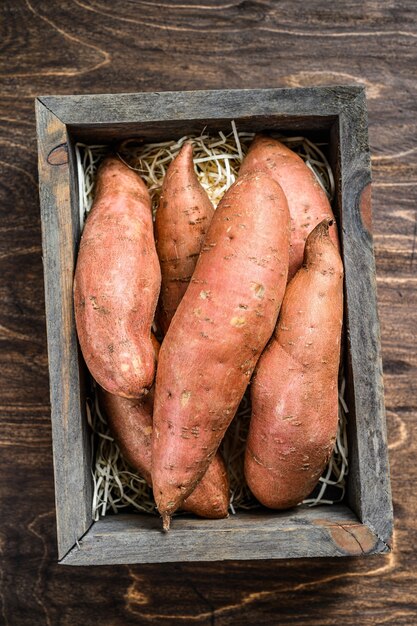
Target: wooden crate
[(363, 523)]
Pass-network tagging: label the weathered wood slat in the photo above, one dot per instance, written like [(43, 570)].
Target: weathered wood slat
[(369, 484), (60, 232), (325, 531), (112, 109), (168, 115)]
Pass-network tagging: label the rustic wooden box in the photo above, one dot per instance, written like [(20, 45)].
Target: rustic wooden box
[(361, 525)]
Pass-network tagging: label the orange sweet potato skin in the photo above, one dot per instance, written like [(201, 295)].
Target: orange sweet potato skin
[(130, 421), (182, 219), (307, 201), (222, 324), (295, 387), (117, 283)]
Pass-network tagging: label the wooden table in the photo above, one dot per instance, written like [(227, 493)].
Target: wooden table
[(87, 46)]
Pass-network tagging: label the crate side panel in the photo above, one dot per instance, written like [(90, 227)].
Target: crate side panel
[(324, 531), (173, 129), (370, 493), (353, 486), (59, 234), (186, 105)]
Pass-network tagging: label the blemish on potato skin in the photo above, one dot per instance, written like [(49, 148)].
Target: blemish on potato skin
[(198, 281), (197, 220), (184, 433), (238, 322), (260, 262), (258, 289), (208, 247), (204, 295), (185, 398), (258, 460), (97, 307)]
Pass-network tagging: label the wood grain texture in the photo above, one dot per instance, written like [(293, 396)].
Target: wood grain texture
[(329, 531), (96, 46), (369, 490), (60, 236)]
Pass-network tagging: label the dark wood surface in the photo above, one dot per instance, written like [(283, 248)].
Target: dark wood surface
[(92, 46)]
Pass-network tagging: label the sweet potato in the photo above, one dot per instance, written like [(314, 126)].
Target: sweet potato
[(221, 326), (130, 421), (182, 219), (117, 282), (295, 386), (307, 201)]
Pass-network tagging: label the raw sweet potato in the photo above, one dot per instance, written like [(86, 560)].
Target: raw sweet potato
[(130, 421), (117, 282), (307, 201), (221, 326), (181, 223), (295, 386)]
